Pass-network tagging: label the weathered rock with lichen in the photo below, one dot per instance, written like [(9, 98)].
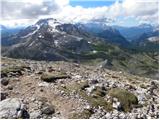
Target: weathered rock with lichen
[(126, 98), (52, 77)]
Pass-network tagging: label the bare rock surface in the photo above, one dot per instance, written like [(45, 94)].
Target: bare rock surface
[(78, 91), (12, 108)]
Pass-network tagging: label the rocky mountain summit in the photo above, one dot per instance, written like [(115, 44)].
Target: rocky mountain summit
[(42, 89)]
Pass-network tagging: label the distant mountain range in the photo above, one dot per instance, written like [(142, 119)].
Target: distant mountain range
[(148, 42), (133, 33), (118, 35), (109, 33), (7, 33), (54, 40)]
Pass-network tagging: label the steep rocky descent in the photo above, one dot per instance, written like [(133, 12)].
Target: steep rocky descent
[(89, 92)]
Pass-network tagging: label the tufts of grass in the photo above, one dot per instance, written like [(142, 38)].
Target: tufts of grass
[(126, 98), (83, 85), (14, 69), (94, 101), (52, 77), (143, 86), (98, 92), (85, 114), (97, 101)]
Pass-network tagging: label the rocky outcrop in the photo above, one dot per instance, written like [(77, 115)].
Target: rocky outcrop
[(52, 77), (12, 108)]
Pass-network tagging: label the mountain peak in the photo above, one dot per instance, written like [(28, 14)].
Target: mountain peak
[(45, 21), (49, 21)]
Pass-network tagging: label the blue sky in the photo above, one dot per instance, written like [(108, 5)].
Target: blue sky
[(87, 4)]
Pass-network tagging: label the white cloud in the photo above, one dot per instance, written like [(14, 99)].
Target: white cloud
[(28, 10), (140, 8), (145, 11), (80, 14), (18, 22)]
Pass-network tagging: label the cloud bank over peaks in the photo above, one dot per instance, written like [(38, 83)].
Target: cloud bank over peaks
[(15, 12)]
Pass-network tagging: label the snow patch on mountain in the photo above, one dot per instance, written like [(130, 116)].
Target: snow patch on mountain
[(56, 43), (77, 38), (37, 28), (153, 39), (31, 43), (53, 24)]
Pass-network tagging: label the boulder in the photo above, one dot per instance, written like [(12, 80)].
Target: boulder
[(108, 115), (10, 87), (3, 95), (117, 105), (126, 98), (48, 109), (12, 108), (4, 82), (84, 85), (90, 89), (154, 85), (77, 77), (52, 77), (43, 84), (94, 81), (35, 115)]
